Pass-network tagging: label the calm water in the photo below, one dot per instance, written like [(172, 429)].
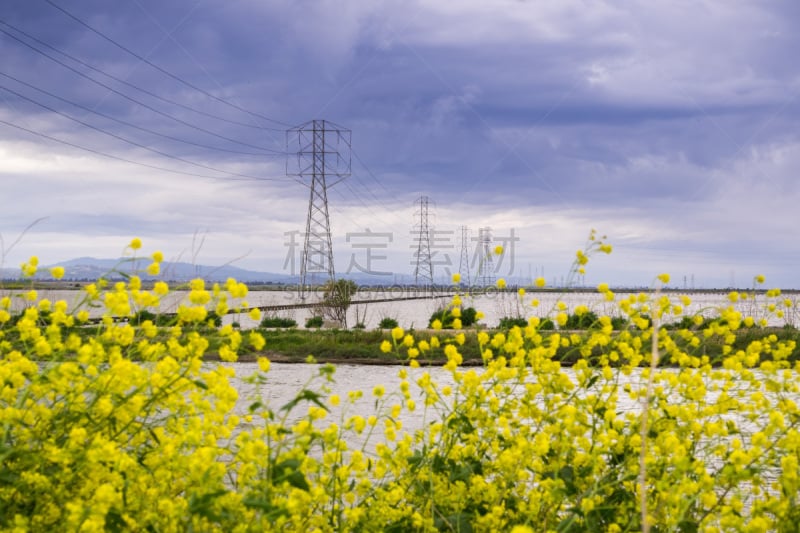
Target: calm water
[(285, 381)]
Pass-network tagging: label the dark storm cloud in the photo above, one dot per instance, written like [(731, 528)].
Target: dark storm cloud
[(664, 112)]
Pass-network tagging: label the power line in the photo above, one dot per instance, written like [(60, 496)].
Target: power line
[(118, 158), (133, 86), (360, 199), (130, 98), (129, 124), (370, 174), (123, 139), (389, 209), (162, 70)]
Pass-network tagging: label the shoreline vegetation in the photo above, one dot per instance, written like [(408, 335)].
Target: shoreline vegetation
[(362, 347), (80, 284)]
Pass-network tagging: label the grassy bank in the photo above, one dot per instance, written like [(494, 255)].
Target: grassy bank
[(360, 346)]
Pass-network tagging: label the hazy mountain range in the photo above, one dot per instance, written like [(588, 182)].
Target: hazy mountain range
[(90, 268)]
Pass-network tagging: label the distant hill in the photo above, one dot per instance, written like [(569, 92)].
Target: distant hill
[(90, 268)]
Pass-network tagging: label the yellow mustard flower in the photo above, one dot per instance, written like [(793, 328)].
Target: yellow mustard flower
[(57, 272)]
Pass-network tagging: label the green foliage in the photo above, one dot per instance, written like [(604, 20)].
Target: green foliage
[(160, 319), (581, 321), (336, 299), (278, 322), (469, 315), (445, 316), (574, 322), (214, 319), (314, 322), (508, 322), (619, 322), (387, 323), (547, 324)]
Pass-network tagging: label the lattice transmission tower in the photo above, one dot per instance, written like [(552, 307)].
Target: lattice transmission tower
[(422, 230), (322, 150), (485, 261), (463, 264)]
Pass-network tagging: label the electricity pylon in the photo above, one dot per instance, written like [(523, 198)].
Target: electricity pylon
[(486, 261), (424, 268), (323, 150), (463, 265)]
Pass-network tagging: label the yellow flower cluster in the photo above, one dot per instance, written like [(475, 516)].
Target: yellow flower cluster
[(118, 424)]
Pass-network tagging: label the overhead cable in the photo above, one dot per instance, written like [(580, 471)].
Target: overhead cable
[(162, 70), (121, 138), (118, 158), (133, 86), (127, 97), (126, 123)]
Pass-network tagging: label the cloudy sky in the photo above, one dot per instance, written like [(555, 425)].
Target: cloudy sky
[(669, 126)]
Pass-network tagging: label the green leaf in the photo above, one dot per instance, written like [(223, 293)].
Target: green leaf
[(305, 395), (288, 471), (115, 522)]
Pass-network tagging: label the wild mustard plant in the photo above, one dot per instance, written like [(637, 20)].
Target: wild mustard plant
[(118, 423)]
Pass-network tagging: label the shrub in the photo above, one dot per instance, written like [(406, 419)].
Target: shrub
[(547, 324), (508, 322), (314, 322), (278, 322), (469, 316), (445, 316), (581, 321), (387, 323), (686, 322), (159, 319), (336, 299), (619, 322)]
